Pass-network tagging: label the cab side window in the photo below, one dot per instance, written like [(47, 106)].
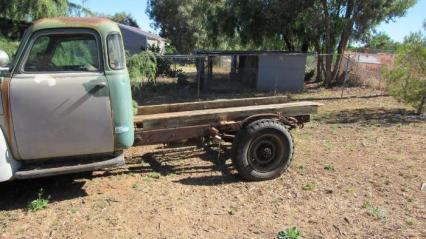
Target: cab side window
[(63, 52), (115, 52)]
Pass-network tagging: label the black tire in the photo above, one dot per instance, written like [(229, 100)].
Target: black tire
[(262, 150)]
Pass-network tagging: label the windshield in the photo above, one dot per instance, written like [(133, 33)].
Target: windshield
[(64, 52)]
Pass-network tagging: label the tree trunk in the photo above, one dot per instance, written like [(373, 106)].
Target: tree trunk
[(318, 77), (420, 107), (344, 39), (328, 45)]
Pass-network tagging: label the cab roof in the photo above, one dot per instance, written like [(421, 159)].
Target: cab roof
[(102, 25)]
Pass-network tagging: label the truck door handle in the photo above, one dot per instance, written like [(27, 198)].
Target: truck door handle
[(101, 84)]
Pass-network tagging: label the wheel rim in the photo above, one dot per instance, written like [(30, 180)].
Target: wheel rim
[(266, 152)]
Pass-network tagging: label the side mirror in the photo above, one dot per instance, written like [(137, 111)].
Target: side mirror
[(4, 59)]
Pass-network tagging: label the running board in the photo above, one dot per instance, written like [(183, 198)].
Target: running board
[(54, 171)]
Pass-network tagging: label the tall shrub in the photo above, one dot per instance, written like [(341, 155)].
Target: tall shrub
[(142, 69), (8, 46), (407, 80)]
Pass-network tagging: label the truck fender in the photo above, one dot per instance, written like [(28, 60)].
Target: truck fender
[(8, 165)]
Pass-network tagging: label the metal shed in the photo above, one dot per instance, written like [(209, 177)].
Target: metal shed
[(261, 70)]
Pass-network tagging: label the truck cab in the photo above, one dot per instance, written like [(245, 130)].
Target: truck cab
[(65, 97)]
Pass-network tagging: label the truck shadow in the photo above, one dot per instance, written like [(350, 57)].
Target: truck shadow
[(18, 194), (173, 161), (370, 116), (215, 170)]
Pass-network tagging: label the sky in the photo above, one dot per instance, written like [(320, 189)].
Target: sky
[(412, 21)]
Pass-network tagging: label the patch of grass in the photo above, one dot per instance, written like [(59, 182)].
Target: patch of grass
[(232, 210), (135, 186), (154, 175), (391, 158), (329, 167), (74, 210), (3, 218), (328, 145), (101, 204), (410, 222), (334, 127), (38, 204), (309, 187), (374, 212), (290, 233)]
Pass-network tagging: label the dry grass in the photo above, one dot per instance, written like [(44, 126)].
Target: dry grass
[(377, 154)]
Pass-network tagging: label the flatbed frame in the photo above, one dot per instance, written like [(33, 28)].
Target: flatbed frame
[(221, 118)]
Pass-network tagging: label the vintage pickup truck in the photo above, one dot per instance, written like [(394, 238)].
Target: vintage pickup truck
[(66, 107)]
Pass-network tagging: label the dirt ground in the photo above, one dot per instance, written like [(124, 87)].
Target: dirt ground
[(357, 173)]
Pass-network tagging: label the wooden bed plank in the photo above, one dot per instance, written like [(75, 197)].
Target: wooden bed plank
[(215, 116), (213, 104)]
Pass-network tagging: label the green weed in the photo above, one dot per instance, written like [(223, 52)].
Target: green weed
[(329, 167), (154, 175), (135, 186), (308, 187), (290, 233), (375, 212), (232, 210), (328, 145), (38, 204)]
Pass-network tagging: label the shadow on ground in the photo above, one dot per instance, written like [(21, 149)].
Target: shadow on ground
[(18, 194), (369, 116), (159, 162)]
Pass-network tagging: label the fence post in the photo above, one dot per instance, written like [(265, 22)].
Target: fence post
[(346, 74)]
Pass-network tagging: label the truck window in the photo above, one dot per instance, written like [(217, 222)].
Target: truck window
[(63, 52), (115, 52)]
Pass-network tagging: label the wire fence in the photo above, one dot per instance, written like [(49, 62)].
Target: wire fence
[(212, 75)]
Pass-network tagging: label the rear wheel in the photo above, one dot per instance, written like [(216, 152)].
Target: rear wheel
[(262, 150)]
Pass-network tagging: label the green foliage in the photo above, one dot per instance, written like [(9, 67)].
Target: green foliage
[(135, 107), (142, 69), (170, 49), (381, 41), (154, 175), (38, 204), (407, 80), (124, 18), (8, 46), (24, 10), (329, 168), (185, 23), (308, 187), (323, 26), (290, 233), (374, 212)]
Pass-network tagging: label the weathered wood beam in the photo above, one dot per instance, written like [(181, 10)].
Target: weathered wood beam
[(214, 104), (215, 116)]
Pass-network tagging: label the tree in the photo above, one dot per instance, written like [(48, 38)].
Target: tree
[(15, 15), (29, 10), (381, 41), (407, 81), (184, 22), (124, 18), (325, 26), (343, 20)]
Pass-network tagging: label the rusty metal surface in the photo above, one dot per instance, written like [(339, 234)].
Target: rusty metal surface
[(226, 130), (171, 135), (7, 122), (101, 24)]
